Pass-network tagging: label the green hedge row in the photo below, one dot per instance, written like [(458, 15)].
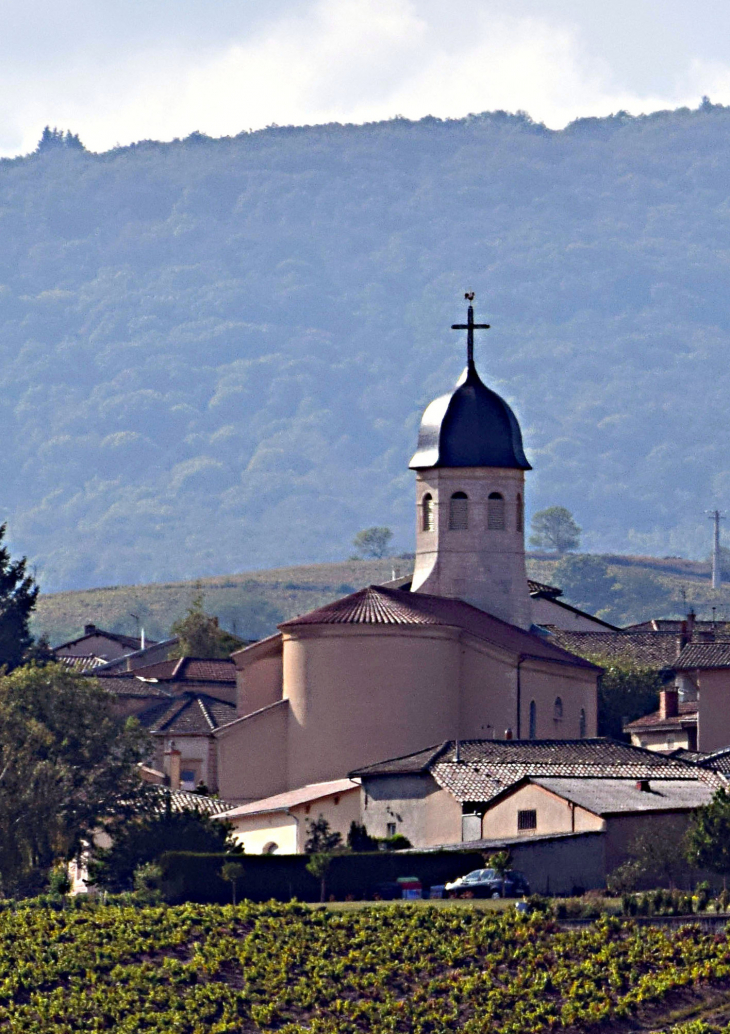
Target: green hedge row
[(196, 877)]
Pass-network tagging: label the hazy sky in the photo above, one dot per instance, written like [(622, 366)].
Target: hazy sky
[(115, 71)]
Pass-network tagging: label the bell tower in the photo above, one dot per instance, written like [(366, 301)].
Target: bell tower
[(470, 497)]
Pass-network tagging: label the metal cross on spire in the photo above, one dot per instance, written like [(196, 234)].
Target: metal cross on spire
[(470, 326)]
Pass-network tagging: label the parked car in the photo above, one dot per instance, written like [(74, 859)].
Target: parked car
[(487, 883)]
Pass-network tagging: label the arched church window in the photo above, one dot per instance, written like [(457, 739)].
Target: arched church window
[(520, 514), (495, 511), (459, 512), (558, 709), (533, 720), (582, 724), (427, 519)]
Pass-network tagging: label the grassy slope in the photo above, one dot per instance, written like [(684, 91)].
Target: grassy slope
[(254, 601)]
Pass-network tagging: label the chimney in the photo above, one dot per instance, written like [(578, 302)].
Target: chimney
[(172, 767), (668, 703), (89, 629), (643, 785)]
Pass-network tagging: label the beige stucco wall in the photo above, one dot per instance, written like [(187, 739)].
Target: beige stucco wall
[(554, 814), (660, 740), (420, 809), (623, 830), (713, 715), (340, 810), (361, 694), (194, 756), (482, 566), (546, 612), (544, 683), (252, 755), (259, 675), (258, 832)]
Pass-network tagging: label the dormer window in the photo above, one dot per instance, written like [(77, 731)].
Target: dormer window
[(495, 511), (427, 514), (459, 512)]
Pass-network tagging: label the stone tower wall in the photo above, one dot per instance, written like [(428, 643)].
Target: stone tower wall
[(479, 564)]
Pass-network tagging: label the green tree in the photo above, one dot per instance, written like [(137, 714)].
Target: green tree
[(372, 542), (320, 838), (708, 838), (232, 872), (319, 865), (626, 690), (358, 838), (148, 834), (18, 596), (199, 634), (586, 582), (67, 765), (500, 861), (637, 596), (555, 529)]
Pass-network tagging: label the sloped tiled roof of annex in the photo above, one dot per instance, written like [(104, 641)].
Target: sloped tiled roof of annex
[(183, 800), (703, 655), (613, 796), (81, 663), (183, 669), (376, 605), (488, 766), (123, 685), (191, 714), (655, 649), (289, 799), (686, 716)]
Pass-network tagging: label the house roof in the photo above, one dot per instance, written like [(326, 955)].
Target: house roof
[(376, 605), (187, 669), (124, 686), (677, 625), (617, 796), (182, 800), (284, 801), (539, 588), (91, 632), (81, 663), (718, 761), (190, 714), (687, 716), (703, 655), (653, 649), (486, 767)]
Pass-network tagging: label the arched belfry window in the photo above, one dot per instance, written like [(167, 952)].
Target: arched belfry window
[(558, 709), (520, 514), (533, 720), (427, 516), (495, 512), (582, 724), (459, 512)]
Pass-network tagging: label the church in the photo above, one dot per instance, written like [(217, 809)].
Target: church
[(456, 654)]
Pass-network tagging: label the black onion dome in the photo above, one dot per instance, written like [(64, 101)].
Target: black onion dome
[(470, 427)]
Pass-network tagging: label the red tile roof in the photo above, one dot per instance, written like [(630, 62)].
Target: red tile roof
[(654, 649), (377, 605), (687, 716), (191, 714), (183, 669), (485, 767), (703, 655)]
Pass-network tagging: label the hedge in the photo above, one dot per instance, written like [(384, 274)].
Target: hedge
[(196, 877)]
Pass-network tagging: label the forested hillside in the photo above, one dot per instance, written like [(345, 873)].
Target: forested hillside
[(214, 353)]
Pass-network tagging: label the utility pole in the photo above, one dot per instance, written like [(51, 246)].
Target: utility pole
[(716, 517)]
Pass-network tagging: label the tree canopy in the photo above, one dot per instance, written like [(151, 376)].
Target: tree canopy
[(708, 839), (555, 529), (372, 542), (67, 767), (18, 595), (200, 635)]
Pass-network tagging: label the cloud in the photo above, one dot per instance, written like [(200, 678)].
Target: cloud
[(326, 60)]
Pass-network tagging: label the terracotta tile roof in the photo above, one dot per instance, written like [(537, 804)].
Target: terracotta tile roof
[(718, 761), (704, 655), (183, 800), (654, 649), (81, 663), (188, 669), (486, 767), (687, 716), (694, 756), (123, 686), (377, 605), (675, 625), (284, 801), (616, 796), (545, 590), (191, 714)]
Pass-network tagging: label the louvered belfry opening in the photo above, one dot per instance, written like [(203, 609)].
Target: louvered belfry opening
[(520, 514), (459, 512), (495, 511), (427, 513)]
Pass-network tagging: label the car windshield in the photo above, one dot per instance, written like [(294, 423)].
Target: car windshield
[(480, 874)]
